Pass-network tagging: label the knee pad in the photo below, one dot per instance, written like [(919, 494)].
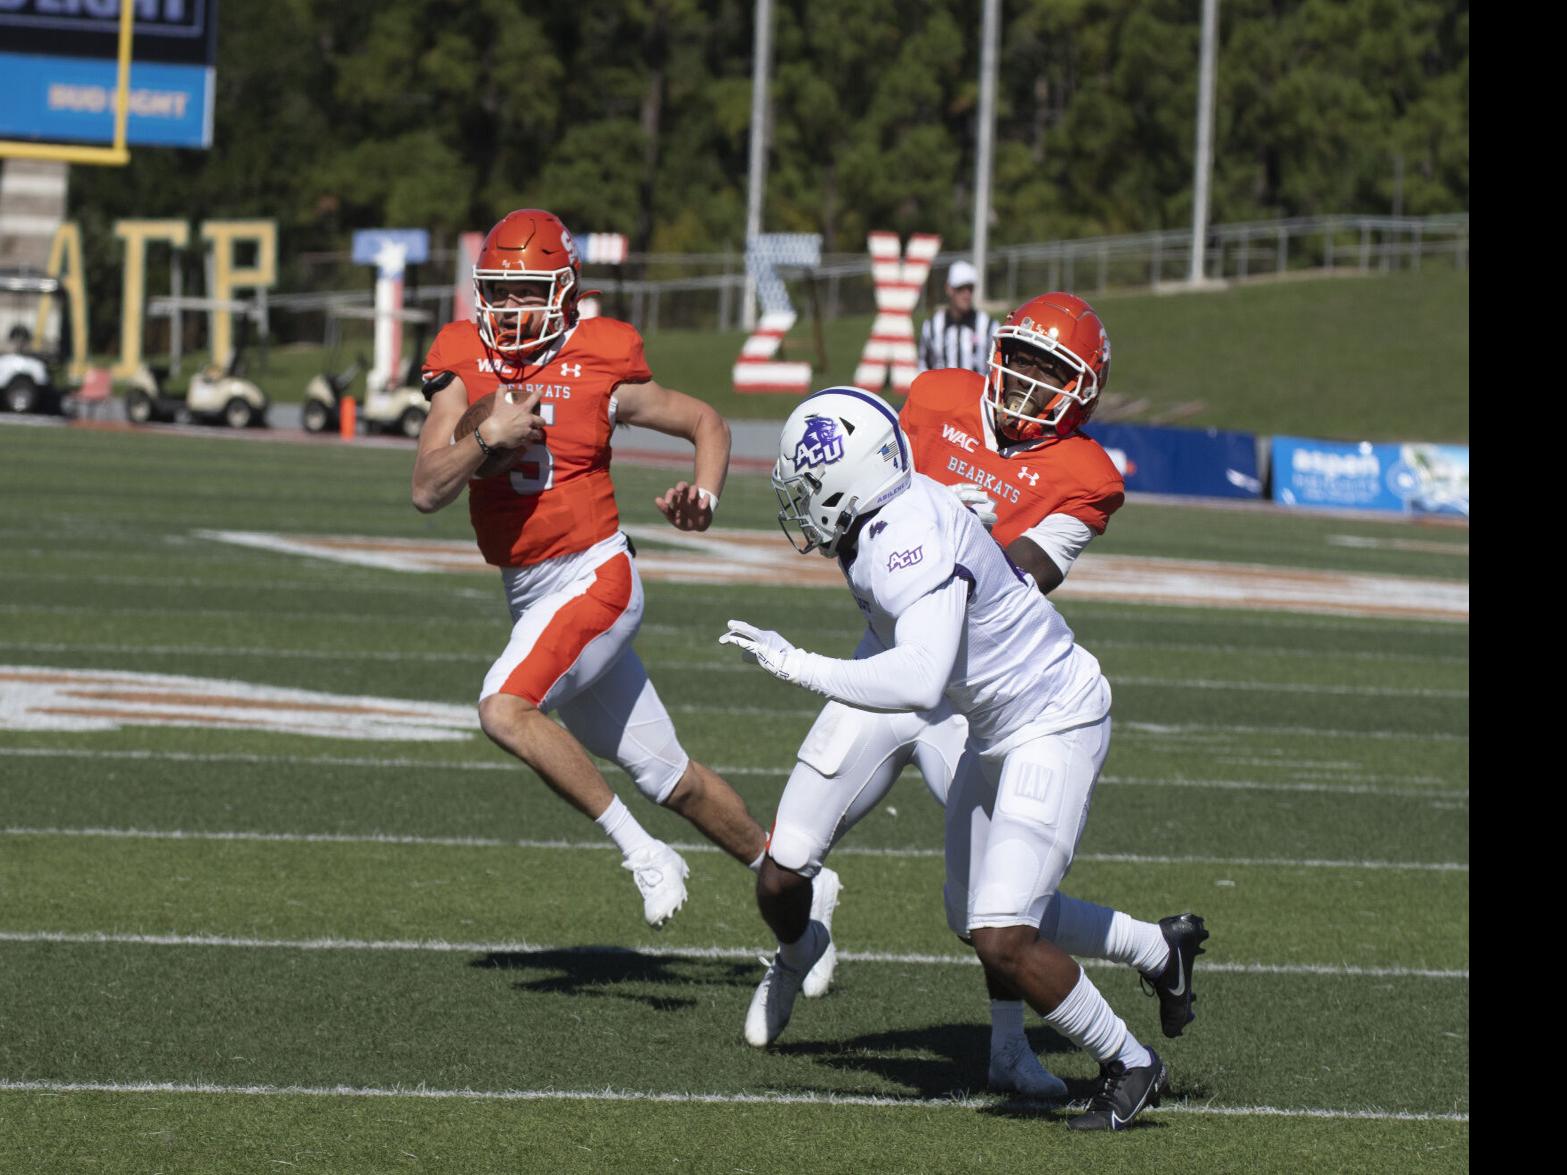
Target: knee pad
[(657, 779), (796, 849), (655, 765)]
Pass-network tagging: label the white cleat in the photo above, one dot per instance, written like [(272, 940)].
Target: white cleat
[(661, 879), (1015, 1069), (825, 888), (770, 1007)]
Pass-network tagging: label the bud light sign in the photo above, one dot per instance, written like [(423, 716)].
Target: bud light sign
[(1401, 479)]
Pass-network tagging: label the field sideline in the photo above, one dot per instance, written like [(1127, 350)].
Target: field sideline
[(268, 900)]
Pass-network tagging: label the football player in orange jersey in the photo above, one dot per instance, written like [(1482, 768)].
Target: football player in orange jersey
[(550, 524), (1008, 445)]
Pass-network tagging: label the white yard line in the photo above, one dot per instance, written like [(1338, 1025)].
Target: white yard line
[(718, 665), (1287, 687), (958, 1100), (338, 655), (1345, 970), (482, 842), (1371, 785), (1228, 733)]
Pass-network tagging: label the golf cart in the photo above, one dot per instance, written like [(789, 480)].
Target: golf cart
[(218, 394), (32, 378), (396, 405)]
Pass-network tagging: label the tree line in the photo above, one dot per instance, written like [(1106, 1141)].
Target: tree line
[(634, 116)]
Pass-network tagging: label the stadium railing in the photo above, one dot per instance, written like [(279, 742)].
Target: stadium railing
[(704, 290)]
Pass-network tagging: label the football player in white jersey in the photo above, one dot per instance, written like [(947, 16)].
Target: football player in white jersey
[(845, 767), (950, 618)]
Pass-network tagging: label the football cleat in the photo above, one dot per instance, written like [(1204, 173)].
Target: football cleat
[(1123, 1094), (773, 1002), (825, 888), (1015, 1069), (660, 875), (1185, 933)]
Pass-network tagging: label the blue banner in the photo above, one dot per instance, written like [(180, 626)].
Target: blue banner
[(1397, 479), (71, 99), (1206, 463)]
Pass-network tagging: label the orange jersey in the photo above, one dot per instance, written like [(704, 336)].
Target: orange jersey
[(559, 499), (949, 431)]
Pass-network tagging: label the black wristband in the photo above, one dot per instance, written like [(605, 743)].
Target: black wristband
[(483, 448)]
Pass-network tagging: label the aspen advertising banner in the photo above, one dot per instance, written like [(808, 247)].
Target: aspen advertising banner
[(1396, 479)]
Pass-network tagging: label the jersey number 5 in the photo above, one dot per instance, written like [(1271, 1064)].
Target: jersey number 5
[(535, 469)]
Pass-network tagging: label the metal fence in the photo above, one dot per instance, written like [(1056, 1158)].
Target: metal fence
[(704, 290)]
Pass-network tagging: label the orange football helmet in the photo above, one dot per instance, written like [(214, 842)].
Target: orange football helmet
[(529, 255), (1048, 364)]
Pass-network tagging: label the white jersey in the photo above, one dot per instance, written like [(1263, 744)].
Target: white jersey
[(1019, 673)]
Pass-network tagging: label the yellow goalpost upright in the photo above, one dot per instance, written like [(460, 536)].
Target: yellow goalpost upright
[(116, 154)]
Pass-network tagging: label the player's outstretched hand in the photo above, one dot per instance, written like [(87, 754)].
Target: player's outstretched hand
[(977, 500), (765, 648), (686, 507), (515, 422)]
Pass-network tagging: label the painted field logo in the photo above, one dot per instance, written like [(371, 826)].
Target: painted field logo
[(905, 558), (41, 698), (820, 444)]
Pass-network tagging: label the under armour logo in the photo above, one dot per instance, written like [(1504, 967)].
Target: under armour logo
[(572, 369), (1033, 478)]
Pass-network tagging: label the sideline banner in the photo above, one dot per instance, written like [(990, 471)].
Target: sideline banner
[(1395, 479), (1202, 462)]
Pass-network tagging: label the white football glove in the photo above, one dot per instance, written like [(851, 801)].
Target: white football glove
[(765, 648), (977, 500)]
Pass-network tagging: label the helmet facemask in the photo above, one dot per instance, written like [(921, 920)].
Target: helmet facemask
[(514, 327), (1038, 387), (818, 525)]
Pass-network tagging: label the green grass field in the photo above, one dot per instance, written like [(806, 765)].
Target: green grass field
[(242, 950), (1358, 358)]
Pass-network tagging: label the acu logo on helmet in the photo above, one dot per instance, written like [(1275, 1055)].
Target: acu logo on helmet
[(820, 444)]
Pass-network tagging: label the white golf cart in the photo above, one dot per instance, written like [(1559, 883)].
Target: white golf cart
[(396, 406), (32, 378), (218, 394)]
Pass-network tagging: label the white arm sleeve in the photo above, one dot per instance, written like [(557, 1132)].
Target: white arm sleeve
[(1062, 537), (910, 676)]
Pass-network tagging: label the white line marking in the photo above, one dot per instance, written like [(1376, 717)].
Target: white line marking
[(250, 616), (958, 1099), (1286, 687), (484, 842), (1227, 733), (1422, 546), (720, 665), (1367, 786), (231, 584), (1118, 612), (338, 655), (83, 938)]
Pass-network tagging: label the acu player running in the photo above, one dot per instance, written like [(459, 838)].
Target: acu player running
[(1008, 445), (550, 524), (949, 617)]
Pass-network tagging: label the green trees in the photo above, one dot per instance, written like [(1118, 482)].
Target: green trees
[(632, 116)]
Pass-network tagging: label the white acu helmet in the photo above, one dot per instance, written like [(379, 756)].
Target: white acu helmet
[(842, 455)]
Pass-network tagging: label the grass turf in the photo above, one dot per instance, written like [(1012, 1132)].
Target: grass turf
[(1382, 357), (1316, 739)]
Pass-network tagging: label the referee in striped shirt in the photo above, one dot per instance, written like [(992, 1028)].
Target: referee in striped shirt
[(958, 335)]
